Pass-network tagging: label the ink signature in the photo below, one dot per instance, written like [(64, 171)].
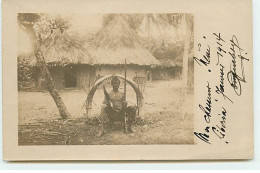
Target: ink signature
[(233, 78)]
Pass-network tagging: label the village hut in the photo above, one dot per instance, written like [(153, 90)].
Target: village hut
[(116, 42), (168, 68), (69, 62), (73, 65)]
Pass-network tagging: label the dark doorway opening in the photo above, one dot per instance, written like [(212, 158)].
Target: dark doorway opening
[(70, 77)]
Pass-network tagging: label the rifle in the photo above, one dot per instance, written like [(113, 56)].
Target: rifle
[(124, 106), (106, 94)]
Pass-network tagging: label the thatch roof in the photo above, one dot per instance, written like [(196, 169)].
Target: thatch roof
[(65, 49), (166, 63), (168, 54), (117, 41)]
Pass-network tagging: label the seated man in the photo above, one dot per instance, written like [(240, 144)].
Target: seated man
[(115, 112)]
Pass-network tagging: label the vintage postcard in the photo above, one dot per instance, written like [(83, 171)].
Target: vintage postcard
[(127, 80)]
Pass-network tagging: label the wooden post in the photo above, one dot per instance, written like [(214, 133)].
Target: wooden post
[(185, 65)]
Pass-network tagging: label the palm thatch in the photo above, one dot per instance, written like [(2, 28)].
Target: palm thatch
[(65, 49), (117, 41)]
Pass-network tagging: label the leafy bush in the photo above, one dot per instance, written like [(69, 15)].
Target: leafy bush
[(25, 75)]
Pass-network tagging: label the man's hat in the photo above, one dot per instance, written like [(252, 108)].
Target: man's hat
[(115, 79)]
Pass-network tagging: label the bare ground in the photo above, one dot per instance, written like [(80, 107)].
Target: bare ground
[(162, 123)]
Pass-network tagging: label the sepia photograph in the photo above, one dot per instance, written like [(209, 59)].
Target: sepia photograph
[(105, 79), (127, 80)]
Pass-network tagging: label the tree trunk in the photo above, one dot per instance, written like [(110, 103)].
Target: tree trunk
[(37, 47), (185, 65), (51, 85)]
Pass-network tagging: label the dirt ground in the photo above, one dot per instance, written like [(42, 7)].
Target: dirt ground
[(161, 121)]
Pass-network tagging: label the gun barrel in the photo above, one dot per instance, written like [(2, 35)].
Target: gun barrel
[(106, 93), (125, 82)]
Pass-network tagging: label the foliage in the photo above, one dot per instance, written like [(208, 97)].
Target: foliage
[(25, 74), (162, 21), (27, 18), (42, 25), (47, 25)]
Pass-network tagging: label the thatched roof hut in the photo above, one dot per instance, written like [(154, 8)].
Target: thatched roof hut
[(168, 54), (71, 65), (64, 49), (117, 41)]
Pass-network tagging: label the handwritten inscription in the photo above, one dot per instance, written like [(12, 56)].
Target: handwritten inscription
[(203, 136), (220, 89), (220, 50), (233, 74), (206, 58), (207, 108), (219, 130), (234, 78)]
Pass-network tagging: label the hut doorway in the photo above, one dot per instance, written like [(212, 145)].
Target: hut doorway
[(70, 77)]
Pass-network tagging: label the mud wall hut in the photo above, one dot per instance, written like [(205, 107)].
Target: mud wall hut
[(72, 65), (167, 54), (68, 61), (166, 70)]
